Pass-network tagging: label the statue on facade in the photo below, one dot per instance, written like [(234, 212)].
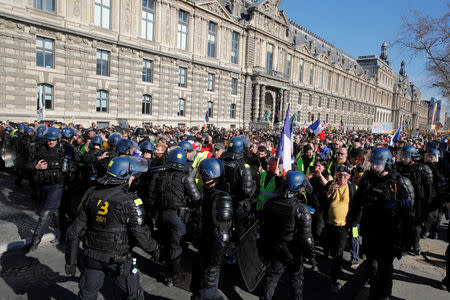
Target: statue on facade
[(402, 68), (267, 117), (294, 119)]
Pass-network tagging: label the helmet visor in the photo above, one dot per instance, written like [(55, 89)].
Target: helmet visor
[(431, 157), (138, 165)]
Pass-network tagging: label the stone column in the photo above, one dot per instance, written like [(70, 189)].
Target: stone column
[(255, 105), (262, 101)]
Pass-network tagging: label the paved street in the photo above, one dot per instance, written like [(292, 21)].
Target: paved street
[(40, 275)]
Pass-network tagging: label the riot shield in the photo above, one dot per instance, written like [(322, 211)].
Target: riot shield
[(8, 156), (251, 263)]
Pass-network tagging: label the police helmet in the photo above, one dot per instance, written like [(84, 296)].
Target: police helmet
[(186, 146), (432, 155), (443, 145), (68, 132), (8, 128), (124, 167), (123, 146), (294, 181), (147, 146), (408, 153), (379, 158), (21, 126), (114, 139), (52, 133), (236, 145), (177, 156), (97, 140), (211, 168), (40, 131), (28, 130)]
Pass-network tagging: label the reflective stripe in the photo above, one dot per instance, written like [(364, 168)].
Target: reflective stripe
[(197, 159)]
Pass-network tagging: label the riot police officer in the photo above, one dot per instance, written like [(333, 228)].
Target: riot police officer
[(421, 178), (96, 160), (46, 167), (112, 143), (217, 216), (436, 208), (239, 177), (386, 199), (112, 220), (169, 190), (287, 237)]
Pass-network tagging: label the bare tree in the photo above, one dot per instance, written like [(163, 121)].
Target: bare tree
[(430, 36)]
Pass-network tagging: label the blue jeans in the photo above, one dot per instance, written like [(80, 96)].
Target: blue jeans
[(354, 249)]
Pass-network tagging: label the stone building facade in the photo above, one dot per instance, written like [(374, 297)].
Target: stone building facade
[(171, 61)]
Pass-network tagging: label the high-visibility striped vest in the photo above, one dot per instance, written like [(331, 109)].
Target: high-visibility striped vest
[(301, 168), (265, 192), (197, 159)]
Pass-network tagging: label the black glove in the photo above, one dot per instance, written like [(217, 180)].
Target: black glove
[(71, 270), (155, 254)]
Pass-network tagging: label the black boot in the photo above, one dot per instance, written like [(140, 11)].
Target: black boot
[(39, 231)]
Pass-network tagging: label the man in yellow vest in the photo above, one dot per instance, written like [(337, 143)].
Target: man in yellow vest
[(269, 183), (305, 163)]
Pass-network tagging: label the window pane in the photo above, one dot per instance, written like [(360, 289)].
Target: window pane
[(49, 60), (39, 59), (98, 16), (39, 42), (48, 45)]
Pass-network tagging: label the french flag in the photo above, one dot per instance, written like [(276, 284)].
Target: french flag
[(317, 129), (396, 136), (284, 151)]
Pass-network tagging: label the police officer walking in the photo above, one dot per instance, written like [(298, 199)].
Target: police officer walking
[(169, 190), (113, 220), (217, 216), (287, 237), (386, 199), (46, 166), (421, 178)]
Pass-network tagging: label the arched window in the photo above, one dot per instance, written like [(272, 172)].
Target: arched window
[(146, 105), (45, 96)]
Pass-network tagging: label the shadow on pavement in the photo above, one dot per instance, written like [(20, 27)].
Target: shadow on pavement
[(15, 203), (27, 276), (413, 278)]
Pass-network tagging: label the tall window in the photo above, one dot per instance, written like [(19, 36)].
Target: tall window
[(269, 58), (328, 103), (320, 101), (234, 47), (336, 104), (343, 105), (182, 29), (326, 118), (301, 70), (44, 52), (102, 62), (310, 100), (329, 81), (47, 5), (182, 72), (45, 92), (209, 108), (211, 81), (102, 101), (311, 73), (288, 65), (350, 88), (337, 83), (148, 19), (299, 98), (233, 111), (147, 70), (234, 86), (180, 111), (212, 32), (102, 13), (146, 105), (321, 77)]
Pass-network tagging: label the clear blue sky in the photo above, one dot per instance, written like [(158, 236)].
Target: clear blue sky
[(359, 27)]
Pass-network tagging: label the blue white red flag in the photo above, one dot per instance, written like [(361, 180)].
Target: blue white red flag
[(284, 150)]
